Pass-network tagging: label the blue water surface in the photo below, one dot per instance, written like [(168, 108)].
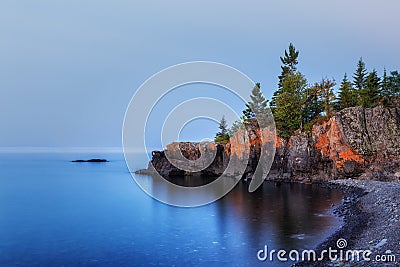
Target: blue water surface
[(54, 212)]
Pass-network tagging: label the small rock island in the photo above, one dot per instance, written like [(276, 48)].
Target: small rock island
[(90, 160)]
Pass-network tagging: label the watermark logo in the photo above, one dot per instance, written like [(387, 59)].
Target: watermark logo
[(146, 99), (338, 254), (341, 243)]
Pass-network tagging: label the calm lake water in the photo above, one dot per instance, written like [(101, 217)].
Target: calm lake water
[(57, 213)]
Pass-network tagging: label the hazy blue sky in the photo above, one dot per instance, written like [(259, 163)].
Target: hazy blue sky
[(69, 68)]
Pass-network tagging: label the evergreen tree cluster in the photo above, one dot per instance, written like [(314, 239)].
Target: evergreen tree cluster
[(297, 105), (368, 89)]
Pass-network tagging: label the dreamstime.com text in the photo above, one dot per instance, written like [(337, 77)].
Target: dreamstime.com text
[(332, 254)]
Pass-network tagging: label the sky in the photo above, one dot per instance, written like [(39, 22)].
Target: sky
[(68, 69)]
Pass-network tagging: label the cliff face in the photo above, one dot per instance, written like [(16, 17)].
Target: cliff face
[(192, 152), (356, 142), (361, 141)]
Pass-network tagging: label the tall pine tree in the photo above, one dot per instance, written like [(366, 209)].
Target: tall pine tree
[(369, 95), (359, 76), (394, 80), (289, 67), (288, 101), (290, 105), (257, 108), (385, 89), (222, 136), (325, 88), (347, 97), (312, 104)]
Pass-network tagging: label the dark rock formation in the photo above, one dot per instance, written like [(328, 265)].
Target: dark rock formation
[(90, 160), (190, 151), (356, 142)]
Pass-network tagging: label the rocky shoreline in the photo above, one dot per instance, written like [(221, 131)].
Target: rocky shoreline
[(371, 222), (371, 214), (360, 143), (357, 151)]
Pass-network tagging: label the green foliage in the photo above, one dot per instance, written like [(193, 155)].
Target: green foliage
[(325, 88), (369, 95), (347, 96), (298, 106), (289, 105), (223, 139), (257, 108), (313, 104), (394, 80), (390, 89), (272, 103), (289, 61), (289, 100), (288, 68), (360, 75), (318, 98), (222, 136), (385, 89)]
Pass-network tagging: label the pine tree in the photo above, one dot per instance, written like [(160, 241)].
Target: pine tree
[(390, 89), (223, 126), (290, 60), (222, 136), (313, 105), (394, 80), (385, 89), (289, 105), (360, 76), (289, 67), (347, 96), (288, 101), (325, 88), (369, 95), (257, 108)]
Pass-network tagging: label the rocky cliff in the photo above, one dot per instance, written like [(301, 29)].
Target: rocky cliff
[(357, 142)]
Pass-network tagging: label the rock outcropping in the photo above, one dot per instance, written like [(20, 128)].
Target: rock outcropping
[(356, 142)]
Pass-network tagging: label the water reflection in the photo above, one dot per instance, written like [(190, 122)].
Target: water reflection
[(191, 181), (294, 212), (290, 216)]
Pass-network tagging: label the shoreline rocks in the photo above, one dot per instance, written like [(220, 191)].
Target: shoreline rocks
[(371, 221)]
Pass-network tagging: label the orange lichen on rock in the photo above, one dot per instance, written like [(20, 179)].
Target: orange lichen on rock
[(268, 135), (323, 145), (278, 142), (290, 144), (239, 144), (329, 140), (242, 140), (348, 155)]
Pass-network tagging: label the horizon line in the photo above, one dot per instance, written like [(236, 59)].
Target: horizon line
[(59, 149)]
